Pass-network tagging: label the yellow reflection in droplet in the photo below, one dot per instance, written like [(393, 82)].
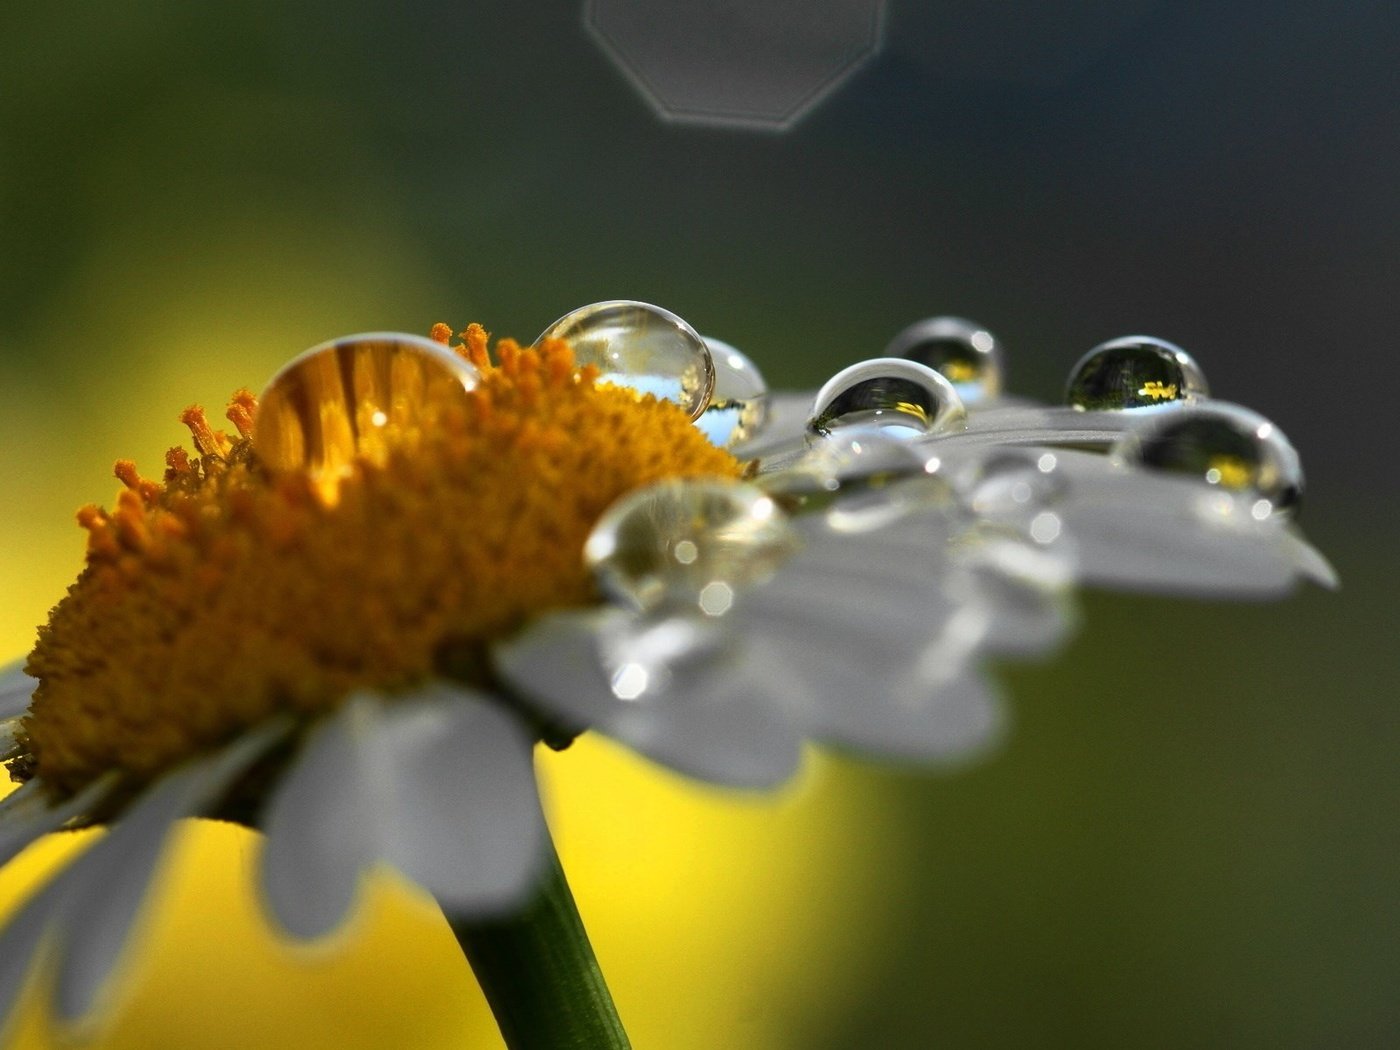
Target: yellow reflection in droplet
[(332, 404)]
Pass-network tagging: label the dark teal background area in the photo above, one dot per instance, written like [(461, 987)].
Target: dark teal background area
[(1191, 837)]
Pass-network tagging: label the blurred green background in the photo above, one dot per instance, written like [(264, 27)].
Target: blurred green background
[(1191, 836)]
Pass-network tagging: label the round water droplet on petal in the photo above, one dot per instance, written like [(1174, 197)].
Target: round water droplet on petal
[(963, 352), (868, 453), (641, 347), (1135, 373), (905, 398), (1223, 445), (642, 655), (863, 472), (738, 406), (688, 545), (1013, 481), (338, 401)]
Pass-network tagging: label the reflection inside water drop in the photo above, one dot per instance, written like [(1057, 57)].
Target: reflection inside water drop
[(904, 398), (339, 401), (688, 545), (738, 407), (1135, 373), (641, 347), (1225, 446), (963, 352)]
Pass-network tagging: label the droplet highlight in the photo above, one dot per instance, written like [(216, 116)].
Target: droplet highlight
[(1135, 373), (738, 406), (1225, 446), (688, 546), (341, 400), (961, 351), (903, 398), (640, 347)]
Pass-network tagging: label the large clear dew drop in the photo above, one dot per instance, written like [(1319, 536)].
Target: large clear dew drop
[(336, 402), (641, 347), (1135, 373), (902, 398), (688, 546), (1225, 446), (962, 351), (738, 407)]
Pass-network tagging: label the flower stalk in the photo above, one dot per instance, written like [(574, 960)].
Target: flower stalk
[(539, 973)]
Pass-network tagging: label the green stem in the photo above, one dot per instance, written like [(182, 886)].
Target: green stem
[(540, 975)]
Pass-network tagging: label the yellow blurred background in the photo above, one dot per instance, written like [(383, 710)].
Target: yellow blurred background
[(1189, 838)]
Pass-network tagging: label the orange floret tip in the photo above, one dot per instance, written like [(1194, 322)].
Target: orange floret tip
[(177, 464), (206, 439), (473, 348), (241, 411)]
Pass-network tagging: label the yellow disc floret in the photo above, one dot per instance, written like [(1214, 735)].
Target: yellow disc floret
[(231, 592)]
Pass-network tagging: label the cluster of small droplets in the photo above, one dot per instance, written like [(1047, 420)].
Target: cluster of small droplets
[(939, 373)]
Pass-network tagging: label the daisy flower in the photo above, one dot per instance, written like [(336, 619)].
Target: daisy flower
[(349, 624)]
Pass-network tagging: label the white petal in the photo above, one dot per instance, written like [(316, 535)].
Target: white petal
[(882, 663), (27, 818), (1146, 531), (27, 815), (1026, 593), (926, 705), (316, 847), (720, 717), (106, 887), (20, 944), (439, 785), (457, 807), (16, 689), (1025, 424), (1310, 562)]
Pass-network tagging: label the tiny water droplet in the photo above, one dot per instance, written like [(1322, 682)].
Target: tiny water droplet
[(738, 406), (1135, 373), (641, 347), (1014, 481), (962, 351), (338, 400), (1223, 445), (688, 545), (902, 397)]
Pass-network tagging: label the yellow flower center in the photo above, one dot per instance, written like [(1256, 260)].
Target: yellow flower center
[(230, 591)]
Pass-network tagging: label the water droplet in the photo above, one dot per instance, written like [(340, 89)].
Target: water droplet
[(859, 477), (1223, 445), (1136, 372), (641, 347), (1045, 527), (902, 397), (739, 404), (642, 655), (688, 545), (1013, 481), (337, 401), (868, 454), (963, 352)]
